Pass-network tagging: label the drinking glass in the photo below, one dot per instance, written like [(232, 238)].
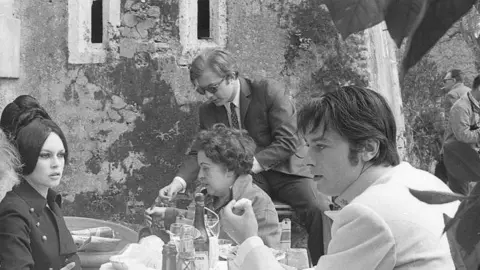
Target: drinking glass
[(212, 222), (189, 231), (175, 233), (224, 246)]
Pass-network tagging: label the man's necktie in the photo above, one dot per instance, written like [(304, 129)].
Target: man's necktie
[(234, 116)]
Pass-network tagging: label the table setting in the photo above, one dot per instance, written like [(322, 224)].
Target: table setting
[(106, 245)]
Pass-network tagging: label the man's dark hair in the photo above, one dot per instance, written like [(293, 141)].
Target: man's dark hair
[(476, 83), (32, 131), (230, 147), (358, 115), (457, 75)]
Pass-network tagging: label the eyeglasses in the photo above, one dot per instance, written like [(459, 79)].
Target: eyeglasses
[(211, 88), (446, 80)]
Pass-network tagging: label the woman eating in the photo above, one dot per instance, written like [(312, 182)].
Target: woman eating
[(225, 157)]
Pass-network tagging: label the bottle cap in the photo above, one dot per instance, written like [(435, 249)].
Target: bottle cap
[(199, 197)]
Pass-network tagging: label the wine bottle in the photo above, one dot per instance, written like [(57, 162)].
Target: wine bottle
[(201, 243)]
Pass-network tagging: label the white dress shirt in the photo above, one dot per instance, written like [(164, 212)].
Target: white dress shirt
[(236, 102)]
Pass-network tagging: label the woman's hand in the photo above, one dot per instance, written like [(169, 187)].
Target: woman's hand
[(238, 220), (154, 211)]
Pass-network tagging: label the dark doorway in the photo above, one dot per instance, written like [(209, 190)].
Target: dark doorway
[(97, 21), (203, 24)]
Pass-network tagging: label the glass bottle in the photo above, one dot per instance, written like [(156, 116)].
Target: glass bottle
[(201, 243), (169, 260)]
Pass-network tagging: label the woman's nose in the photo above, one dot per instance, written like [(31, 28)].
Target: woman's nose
[(55, 162)]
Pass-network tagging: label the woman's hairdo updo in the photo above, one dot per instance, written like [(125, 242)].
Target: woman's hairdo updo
[(32, 128), (12, 111)]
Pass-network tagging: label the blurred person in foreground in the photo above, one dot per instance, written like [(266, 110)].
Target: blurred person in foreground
[(9, 164), (351, 134), (225, 156), (33, 233)]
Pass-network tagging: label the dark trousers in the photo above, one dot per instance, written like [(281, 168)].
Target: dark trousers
[(300, 193), (463, 166), (440, 170)]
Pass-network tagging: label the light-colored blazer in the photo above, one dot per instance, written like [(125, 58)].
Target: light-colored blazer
[(462, 116), (381, 226)]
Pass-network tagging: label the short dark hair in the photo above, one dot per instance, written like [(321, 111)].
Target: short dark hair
[(358, 115), (21, 104), (218, 60), (32, 132), (456, 74), (476, 83), (230, 147)]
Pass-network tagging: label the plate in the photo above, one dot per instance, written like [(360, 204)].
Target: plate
[(231, 252), (93, 260)]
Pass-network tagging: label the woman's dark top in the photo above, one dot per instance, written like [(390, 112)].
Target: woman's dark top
[(33, 233)]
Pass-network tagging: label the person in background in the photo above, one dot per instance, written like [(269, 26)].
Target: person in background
[(351, 135), (225, 156), (462, 141), (9, 164), (265, 110), (33, 232), (453, 88), (15, 108)]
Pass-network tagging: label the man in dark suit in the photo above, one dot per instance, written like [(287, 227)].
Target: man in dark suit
[(265, 110)]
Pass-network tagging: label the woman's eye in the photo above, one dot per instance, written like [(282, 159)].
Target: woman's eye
[(61, 155), (319, 147), (44, 155)]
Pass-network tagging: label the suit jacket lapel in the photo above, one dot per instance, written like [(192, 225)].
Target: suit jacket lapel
[(244, 99), (221, 114)]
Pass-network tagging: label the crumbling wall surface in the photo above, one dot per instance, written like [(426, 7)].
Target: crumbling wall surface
[(130, 120)]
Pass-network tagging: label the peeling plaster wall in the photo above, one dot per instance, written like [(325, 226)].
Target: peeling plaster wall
[(130, 120)]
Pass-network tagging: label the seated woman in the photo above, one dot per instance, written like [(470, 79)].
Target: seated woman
[(9, 163), (33, 233), (225, 157)]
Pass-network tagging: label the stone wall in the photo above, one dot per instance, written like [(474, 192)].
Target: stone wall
[(130, 119)]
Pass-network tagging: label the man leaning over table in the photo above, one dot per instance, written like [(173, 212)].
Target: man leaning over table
[(264, 109), (352, 138)]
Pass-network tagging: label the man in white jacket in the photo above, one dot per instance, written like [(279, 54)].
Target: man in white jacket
[(351, 135)]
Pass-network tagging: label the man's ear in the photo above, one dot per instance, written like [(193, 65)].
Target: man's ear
[(370, 150)]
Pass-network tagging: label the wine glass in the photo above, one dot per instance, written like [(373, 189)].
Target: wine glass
[(213, 226), (175, 232), (212, 222)]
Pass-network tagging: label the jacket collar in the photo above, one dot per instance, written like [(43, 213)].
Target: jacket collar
[(34, 199), (363, 183), (245, 92), (242, 184)]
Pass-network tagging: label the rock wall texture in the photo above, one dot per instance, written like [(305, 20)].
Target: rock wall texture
[(130, 120)]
